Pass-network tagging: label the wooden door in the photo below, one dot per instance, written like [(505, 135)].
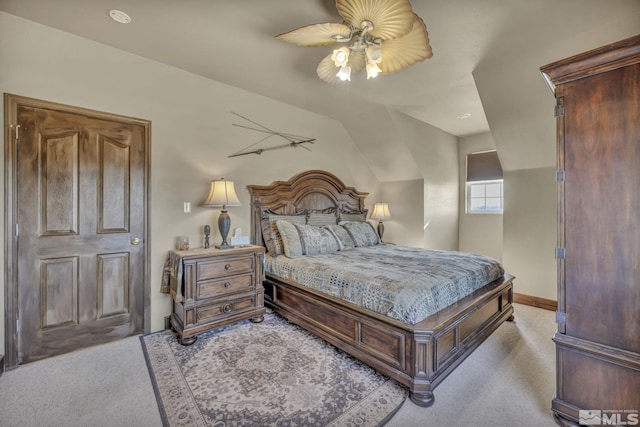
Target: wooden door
[(81, 215)]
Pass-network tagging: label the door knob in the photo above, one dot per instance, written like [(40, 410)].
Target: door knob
[(136, 241)]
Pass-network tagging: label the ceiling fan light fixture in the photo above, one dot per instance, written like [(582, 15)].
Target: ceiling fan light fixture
[(340, 56), (374, 54), (367, 26), (344, 73), (372, 70)]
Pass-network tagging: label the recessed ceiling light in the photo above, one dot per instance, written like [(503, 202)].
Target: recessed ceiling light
[(463, 116), (119, 16)]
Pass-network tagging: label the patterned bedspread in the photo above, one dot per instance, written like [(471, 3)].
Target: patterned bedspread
[(404, 283)]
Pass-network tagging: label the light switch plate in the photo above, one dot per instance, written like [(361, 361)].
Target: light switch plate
[(187, 207)]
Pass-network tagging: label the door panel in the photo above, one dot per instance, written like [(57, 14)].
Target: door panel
[(81, 199), (59, 287), (59, 184), (114, 186), (113, 284)]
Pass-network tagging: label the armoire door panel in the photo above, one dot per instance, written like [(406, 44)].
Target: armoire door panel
[(602, 208)]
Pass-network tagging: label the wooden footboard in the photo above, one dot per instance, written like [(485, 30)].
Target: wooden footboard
[(418, 356)]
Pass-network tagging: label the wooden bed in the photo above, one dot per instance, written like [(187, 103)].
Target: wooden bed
[(419, 356)]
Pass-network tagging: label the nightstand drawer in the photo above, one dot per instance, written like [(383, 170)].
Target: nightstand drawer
[(225, 309), (228, 267), (229, 285)]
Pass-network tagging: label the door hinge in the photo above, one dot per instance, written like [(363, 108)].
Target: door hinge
[(561, 317), (560, 253), (17, 325), (560, 176), (559, 110), (17, 229), (17, 127)]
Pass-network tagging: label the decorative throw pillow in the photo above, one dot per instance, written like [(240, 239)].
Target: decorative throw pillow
[(317, 240), (353, 216), (270, 234), (291, 243), (362, 233), (320, 219), (342, 234)]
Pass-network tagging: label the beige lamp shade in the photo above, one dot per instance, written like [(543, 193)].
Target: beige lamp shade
[(222, 193), (381, 212)]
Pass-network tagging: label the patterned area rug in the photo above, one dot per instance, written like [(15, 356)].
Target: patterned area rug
[(272, 373)]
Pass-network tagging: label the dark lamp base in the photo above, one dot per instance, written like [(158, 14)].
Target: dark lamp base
[(380, 229), (225, 246), (224, 224)]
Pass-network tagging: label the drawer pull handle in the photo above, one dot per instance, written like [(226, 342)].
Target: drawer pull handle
[(227, 284), (227, 267), (227, 308)]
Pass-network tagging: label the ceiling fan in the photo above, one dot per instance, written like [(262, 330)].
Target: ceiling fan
[(381, 36)]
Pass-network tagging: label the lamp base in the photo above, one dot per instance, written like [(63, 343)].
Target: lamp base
[(224, 224), (224, 246), (380, 229)]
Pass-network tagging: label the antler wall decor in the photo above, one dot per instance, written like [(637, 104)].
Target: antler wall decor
[(294, 141)]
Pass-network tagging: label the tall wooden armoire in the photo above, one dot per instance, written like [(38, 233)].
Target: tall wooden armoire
[(598, 151)]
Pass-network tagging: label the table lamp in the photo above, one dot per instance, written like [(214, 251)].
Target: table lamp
[(381, 213), (223, 194)]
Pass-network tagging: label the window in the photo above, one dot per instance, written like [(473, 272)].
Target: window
[(485, 192), (485, 196)]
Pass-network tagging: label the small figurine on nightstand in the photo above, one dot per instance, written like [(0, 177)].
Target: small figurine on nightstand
[(207, 233)]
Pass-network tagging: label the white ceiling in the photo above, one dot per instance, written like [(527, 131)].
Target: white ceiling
[(232, 41)]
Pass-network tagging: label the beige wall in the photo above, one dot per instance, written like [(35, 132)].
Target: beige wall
[(192, 132), (435, 153), (405, 200), (478, 233), (524, 237), (530, 231)]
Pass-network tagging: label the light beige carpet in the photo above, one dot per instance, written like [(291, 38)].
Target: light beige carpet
[(508, 381)]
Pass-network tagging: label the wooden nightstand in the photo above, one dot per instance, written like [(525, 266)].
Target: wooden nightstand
[(218, 287)]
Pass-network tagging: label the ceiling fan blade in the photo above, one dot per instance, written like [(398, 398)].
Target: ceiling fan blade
[(316, 34), (403, 52), (391, 18), (327, 69)]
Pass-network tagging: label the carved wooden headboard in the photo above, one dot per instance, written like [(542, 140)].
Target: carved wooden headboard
[(314, 190)]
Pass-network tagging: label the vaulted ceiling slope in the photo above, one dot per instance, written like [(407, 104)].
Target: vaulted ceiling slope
[(485, 63)]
